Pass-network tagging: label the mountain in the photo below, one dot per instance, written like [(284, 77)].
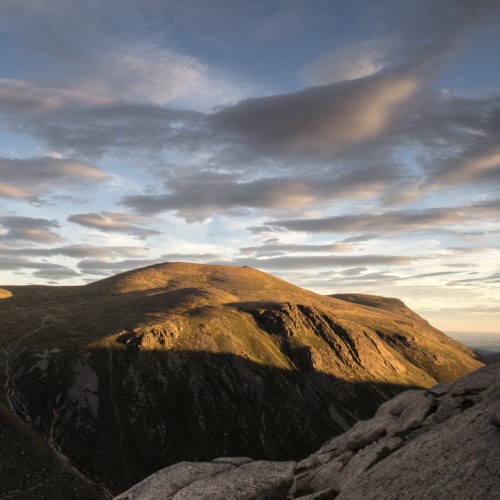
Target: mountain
[(438, 443), (113, 380)]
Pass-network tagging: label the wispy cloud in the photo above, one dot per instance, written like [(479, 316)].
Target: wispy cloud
[(389, 222), (15, 229), (79, 123), (197, 196), (117, 222), (322, 261), (32, 178), (147, 73), (46, 270), (274, 247), (350, 62), (118, 63), (76, 251), (319, 120), (99, 267)]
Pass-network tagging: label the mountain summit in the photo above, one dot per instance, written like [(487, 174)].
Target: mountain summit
[(183, 361)]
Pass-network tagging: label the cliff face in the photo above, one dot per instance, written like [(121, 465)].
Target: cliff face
[(438, 443), (187, 362)]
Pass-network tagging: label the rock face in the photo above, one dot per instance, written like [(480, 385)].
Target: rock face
[(438, 443), (203, 481), (181, 362)]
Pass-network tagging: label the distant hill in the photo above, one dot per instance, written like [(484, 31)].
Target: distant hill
[(486, 345), (183, 361), (488, 356)]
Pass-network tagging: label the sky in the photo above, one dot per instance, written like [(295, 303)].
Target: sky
[(342, 145)]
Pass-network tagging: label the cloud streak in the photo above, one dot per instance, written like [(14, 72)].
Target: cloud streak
[(32, 178), (77, 251), (113, 222), (274, 247), (18, 229), (389, 222), (197, 196), (319, 120)]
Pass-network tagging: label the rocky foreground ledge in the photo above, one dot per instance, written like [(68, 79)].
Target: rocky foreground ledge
[(443, 442)]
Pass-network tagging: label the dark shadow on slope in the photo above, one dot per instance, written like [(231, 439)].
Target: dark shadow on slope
[(29, 470), (153, 408)]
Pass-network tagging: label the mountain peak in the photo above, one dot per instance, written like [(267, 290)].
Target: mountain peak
[(244, 283)]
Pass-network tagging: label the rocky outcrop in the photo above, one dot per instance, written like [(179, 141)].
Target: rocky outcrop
[(438, 443), (222, 478)]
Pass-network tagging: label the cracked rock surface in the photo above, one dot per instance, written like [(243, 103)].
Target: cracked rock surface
[(438, 443)]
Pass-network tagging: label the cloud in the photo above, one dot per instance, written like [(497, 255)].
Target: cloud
[(361, 237), (46, 270), (316, 121), (319, 120), (114, 222), (133, 68), (27, 100), (423, 34), (261, 153), (471, 167), (118, 52), (318, 261), (145, 72), (489, 279), (90, 127), (105, 268), (101, 267), (244, 144), (30, 178), (458, 137), (349, 62), (56, 273), (190, 257), (389, 222), (15, 228), (282, 263), (77, 251), (275, 248), (196, 196), (10, 191), (365, 279), (22, 259), (430, 275), (470, 311)]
